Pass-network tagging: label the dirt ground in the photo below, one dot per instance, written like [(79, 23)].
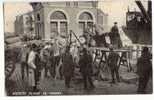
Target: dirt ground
[(50, 86)]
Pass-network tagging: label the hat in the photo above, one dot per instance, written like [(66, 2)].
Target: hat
[(67, 48), (115, 23), (84, 50), (34, 45), (145, 49)]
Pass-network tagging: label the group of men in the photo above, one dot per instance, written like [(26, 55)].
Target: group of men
[(50, 57), (36, 58), (39, 58)]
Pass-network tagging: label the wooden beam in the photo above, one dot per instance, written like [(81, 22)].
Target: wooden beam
[(145, 14)]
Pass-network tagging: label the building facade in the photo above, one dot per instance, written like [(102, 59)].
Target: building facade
[(24, 24), (58, 18)]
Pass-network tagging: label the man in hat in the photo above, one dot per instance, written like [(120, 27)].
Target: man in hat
[(112, 62), (32, 67), (144, 69), (114, 36), (115, 29), (85, 64)]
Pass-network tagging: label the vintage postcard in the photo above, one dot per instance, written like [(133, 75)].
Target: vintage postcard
[(78, 47)]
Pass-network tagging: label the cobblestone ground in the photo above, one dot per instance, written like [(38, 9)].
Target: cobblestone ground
[(128, 85)]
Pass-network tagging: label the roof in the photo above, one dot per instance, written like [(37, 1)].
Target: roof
[(27, 13)]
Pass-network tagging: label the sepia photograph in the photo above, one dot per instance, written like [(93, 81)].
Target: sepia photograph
[(101, 47)]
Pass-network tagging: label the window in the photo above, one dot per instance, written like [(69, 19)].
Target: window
[(81, 25), (85, 16), (76, 4), (63, 27), (58, 15), (38, 17), (86, 21), (54, 27), (27, 21), (94, 3), (90, 25), (38, 25), (38, 29), (58, 24), (67, 4)]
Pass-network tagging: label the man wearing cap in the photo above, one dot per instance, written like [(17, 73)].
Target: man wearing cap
[(112, 62), (144, 69)]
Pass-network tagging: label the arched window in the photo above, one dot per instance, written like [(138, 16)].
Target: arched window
[(58, 24), (86, 21), (85, 16), (58, 15)]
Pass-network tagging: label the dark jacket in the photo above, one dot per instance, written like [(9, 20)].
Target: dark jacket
[(115, 37), (38, 62), (115, 29), (85, 63), (113, 59), (144, 65), (68, 64)]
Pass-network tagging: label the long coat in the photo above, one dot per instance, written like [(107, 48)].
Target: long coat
[(32, 67), (115, 37), (68, 65), (31, 77)]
